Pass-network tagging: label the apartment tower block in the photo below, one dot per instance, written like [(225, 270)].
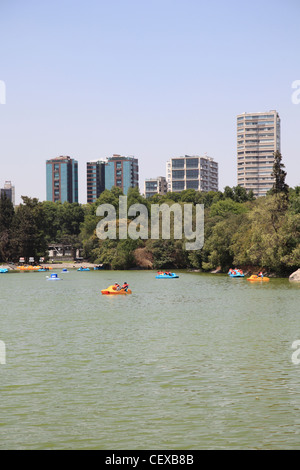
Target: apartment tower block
[(62, 179), (258, 137), (122, 172), (95, 179)]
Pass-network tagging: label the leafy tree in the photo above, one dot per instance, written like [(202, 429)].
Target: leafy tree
[(279, 175), (6, 218), (167, 253), (223, 208), (218, 247), (294, 199), (124, 258), (28, 238)]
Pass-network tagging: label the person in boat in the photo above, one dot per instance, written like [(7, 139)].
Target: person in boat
[(117, 286), (261, 274), (125, 286)]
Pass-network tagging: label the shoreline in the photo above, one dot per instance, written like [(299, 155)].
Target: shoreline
[(76, 266), (62, 265)]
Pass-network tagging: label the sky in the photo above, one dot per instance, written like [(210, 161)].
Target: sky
[(154, 79)]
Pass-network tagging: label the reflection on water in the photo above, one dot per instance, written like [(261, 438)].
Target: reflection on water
[(199, 362)]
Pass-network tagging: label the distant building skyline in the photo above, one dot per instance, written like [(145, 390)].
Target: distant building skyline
[(258, 137), (62, 179)]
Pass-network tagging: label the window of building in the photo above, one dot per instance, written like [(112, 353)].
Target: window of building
[(192, 173), (192, 184), (178, 163), (192, 162), (178, 174), (178, 185)]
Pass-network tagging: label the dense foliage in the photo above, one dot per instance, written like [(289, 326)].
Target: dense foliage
[(239, 231), (27, 230)]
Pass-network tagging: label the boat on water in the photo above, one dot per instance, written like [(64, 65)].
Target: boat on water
[(53, 277), (83, 269), (65, 271), (236, 273), (33, 269), (112, 290), (255, 278), (3, 270), (166, 275), (98, 268)]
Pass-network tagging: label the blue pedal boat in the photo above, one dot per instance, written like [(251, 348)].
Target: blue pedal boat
[(166, 275)]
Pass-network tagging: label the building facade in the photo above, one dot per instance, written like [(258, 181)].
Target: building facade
[(258, 137), (122, 172), (62, 179), (95, 180), (154, 186), (192, 172), (9, 190)]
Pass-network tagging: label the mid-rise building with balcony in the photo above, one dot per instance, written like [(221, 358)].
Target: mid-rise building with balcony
[(192, 172), (154, 186)]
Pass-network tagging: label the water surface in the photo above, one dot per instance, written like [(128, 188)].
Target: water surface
[(199, 362)]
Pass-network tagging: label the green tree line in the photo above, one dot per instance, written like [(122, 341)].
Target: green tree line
[(239, 231)]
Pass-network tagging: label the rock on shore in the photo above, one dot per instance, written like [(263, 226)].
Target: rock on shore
[(295, 276)]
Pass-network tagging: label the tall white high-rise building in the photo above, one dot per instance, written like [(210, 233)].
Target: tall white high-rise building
[(258, 137)]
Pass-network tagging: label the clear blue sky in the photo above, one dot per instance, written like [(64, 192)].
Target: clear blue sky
[(150, 78)]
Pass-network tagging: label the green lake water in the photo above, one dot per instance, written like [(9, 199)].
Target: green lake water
[(199, 362)]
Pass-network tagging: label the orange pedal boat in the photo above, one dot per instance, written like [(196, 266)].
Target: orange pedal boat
[(112, 290), (254, 278)]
